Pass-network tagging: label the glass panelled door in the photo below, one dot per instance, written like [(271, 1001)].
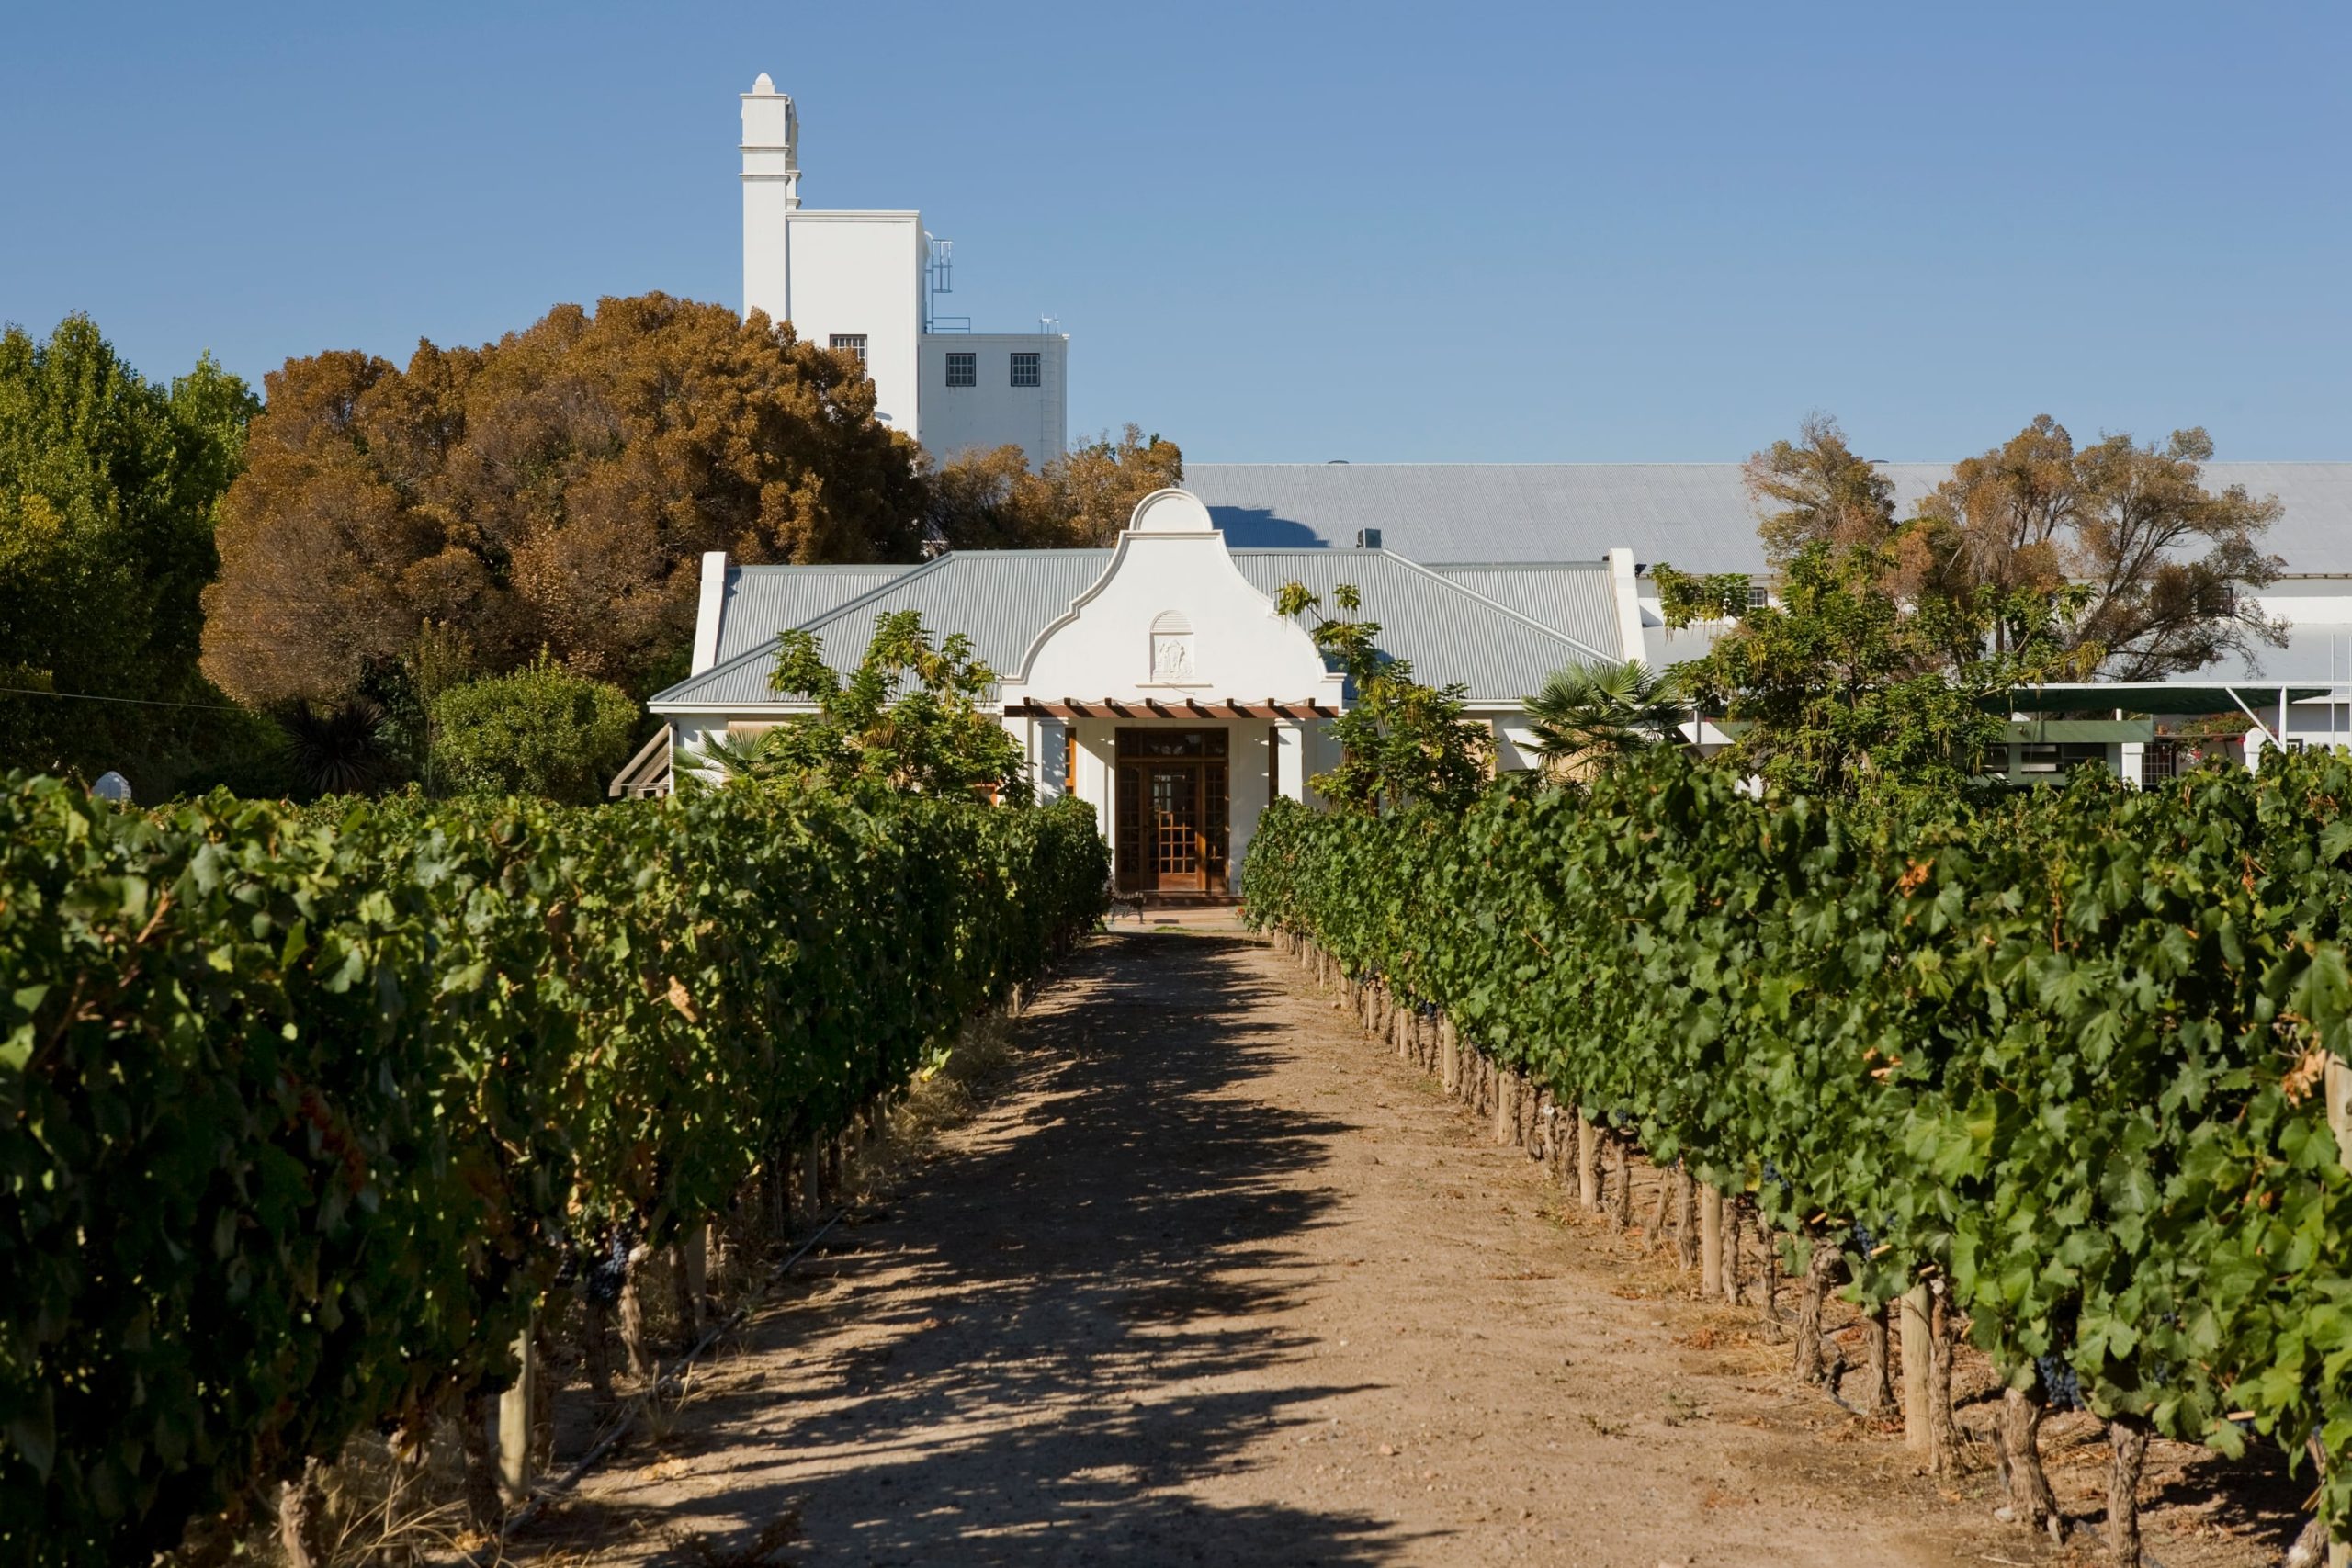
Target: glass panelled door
[(1171, 814), (1176, 825)]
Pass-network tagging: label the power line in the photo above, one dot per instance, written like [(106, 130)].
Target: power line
[(133, 702)]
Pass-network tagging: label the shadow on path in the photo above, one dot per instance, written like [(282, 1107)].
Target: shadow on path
[(1049, 1337)]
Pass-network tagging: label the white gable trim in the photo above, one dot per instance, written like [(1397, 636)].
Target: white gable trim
[(1175, 519)]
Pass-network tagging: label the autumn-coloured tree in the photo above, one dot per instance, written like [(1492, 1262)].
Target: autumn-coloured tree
[(989, 499), (2156, 560), (1816, 490), (554, 489)]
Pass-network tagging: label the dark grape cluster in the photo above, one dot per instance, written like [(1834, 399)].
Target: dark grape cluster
[(2059, 1381), (610, 1272), (1865, 1240), (1772, 1174)]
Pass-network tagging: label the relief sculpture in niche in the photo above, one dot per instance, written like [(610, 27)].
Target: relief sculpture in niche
[(1171, 648)]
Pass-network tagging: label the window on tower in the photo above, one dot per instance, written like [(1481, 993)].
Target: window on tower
[(963, 370), (1024, 370), (853, 342)]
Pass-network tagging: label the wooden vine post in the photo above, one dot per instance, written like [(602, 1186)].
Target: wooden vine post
[(2338, 1087), (1588, 1161), (514, 1410), (1911, 1311), (1711, 1240)]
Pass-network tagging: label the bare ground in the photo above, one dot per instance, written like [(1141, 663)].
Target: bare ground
[(1214, 1281)]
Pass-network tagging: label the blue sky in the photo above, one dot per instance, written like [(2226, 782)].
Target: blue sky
[(1466, 233)]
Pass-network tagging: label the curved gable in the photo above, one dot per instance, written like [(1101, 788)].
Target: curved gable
[(1171, 617)]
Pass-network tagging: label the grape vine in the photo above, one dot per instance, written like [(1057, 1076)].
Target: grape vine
[(303, 1110), (2061, 1051)]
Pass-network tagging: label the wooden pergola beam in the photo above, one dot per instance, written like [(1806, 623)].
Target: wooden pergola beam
[(1223, 707)]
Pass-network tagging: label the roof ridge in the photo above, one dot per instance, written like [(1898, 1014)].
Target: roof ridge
[(1513, 565)]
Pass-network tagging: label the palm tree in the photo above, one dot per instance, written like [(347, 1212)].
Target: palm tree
[(1602, 711)]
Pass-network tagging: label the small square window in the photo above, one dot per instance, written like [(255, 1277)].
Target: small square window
[(1759, 596), (963, 370), (853, 342), (1024, 370)]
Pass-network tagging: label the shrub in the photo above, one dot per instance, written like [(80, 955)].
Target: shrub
[(539, 730)]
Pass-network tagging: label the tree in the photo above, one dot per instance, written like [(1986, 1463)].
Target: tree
[(990, 500), (1842, 689), (537, 730), (1819, 493), (1400, 739), (906, 718), (552, 490), (2161, 561), (1599, 712), (108, 485)]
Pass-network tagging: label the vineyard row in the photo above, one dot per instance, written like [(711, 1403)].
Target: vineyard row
[(305, 1115), (2057, 1072)]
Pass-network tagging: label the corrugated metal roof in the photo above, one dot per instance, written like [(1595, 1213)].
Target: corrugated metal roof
[(1694, 515), (1577, 598), (1446, 628), (762, 599), (1501, 648), (998, 598)]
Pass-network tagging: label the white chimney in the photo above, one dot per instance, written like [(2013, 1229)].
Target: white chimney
[(709, 608), (771, 189)]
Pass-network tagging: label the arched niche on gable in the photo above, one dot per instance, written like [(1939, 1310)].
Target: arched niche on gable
[(1174, 660)]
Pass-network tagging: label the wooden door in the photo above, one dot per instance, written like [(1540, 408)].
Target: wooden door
[(1169, 811), (1177, 860)]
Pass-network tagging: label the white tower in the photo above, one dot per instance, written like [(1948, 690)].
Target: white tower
[(771, 189), (863, 280)]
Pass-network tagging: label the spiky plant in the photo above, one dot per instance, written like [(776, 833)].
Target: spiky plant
[(1597, 712), (337, 750)]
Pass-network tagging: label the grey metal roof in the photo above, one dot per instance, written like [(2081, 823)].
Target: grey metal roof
[(760, 600), (998, 598), (1578, 598), (1002, 599), (1447, 628), (1694, 515)]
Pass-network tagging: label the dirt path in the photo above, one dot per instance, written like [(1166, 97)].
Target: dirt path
[(1216, 1281)]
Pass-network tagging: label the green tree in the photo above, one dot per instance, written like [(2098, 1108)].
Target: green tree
[(989, 500), (1401, 740), (907, 718), (554, 489), (1599, 712), (537, 730), (1842, 689), (108, 490)]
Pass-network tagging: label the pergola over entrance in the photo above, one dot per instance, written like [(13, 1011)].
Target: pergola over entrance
[(1152, 708)]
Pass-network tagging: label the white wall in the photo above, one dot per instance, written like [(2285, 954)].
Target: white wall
[(846, 272), (993, 412), (1173, 562)]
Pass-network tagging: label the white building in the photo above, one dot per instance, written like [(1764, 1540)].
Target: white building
[(1698, 517), (1156, 680), (869, 281)]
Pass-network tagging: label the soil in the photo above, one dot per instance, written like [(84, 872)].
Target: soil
[(1213, 1279)]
